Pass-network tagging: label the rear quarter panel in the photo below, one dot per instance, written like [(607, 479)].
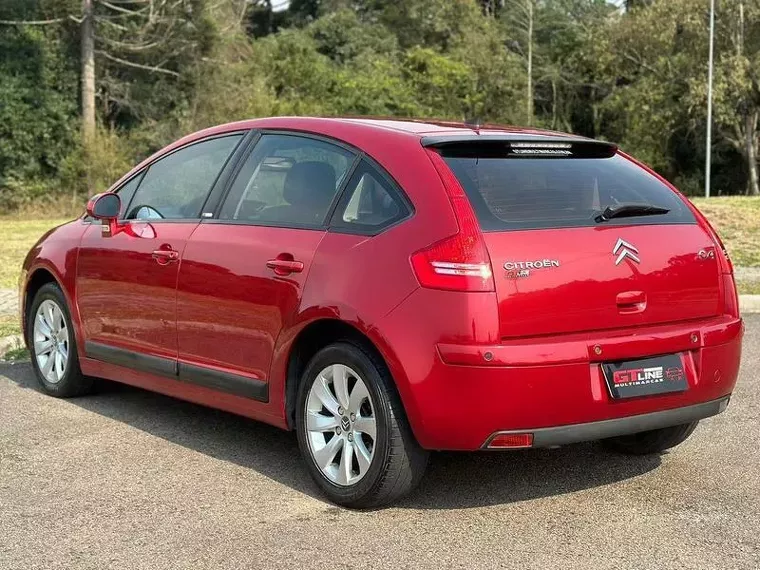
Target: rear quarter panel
[(359, 279)]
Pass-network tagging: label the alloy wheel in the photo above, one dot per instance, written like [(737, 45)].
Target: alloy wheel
[(341, 427), (51, 341)]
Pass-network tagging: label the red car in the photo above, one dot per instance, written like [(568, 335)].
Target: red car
[(386, 288)]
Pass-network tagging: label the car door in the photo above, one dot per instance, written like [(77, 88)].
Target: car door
[(243, 272), (126, 283)]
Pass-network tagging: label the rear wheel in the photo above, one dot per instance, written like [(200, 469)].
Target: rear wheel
[(53, 348), (352, 429), (648, 442)]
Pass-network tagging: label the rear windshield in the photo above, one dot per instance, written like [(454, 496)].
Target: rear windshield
[(533, 193)]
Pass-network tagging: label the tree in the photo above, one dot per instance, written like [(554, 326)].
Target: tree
[(132, 42), (738, 83), (658, 104), (523, 21), (87, 41), (570, 82), (137, 73)]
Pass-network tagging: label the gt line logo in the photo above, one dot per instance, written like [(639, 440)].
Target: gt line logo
[(639, 376)]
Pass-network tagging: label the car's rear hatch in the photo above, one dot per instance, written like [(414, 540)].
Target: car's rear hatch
[(559, 263)]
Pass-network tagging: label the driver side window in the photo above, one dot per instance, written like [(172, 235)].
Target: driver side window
[(175, 187)]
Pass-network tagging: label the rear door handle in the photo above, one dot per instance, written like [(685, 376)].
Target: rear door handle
[(285, 266)]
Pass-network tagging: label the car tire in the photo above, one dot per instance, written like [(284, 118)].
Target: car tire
[(650, 442), (363, 471), (50, 335)]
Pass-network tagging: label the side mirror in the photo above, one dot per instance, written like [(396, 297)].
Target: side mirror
[(104, 207)]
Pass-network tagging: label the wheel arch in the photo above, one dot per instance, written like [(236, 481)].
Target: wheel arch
[(34, 282), (313, 337), (36, 278)]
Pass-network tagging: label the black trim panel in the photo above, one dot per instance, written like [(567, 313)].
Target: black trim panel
[(200, 375), (130, 359), (223, 183), (592, 431), (283, 225), (224, 382)]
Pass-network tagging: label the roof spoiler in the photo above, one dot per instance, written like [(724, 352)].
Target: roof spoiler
[(519, 146)]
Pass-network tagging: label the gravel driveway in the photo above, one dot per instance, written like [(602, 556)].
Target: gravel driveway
[(129, 479)]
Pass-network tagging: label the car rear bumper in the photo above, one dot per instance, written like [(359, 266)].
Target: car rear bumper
[(457, 396), (563, 435)]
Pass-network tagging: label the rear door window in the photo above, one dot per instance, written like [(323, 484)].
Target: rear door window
[(510, 193), (287, 181)]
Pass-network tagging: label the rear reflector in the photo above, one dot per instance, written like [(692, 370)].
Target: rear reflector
[(511, 441)]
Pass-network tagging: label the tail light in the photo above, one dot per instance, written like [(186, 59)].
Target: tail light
[(728, 284), (459, 262), (730, 296)]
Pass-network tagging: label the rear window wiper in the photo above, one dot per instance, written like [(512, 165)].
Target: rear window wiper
[(630, 211)]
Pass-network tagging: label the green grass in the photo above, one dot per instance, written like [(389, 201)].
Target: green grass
[(9, 324), (15, 354), (16, 238), (737, 220), (748, 287)]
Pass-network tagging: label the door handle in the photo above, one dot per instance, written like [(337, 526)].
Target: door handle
[(631, 302), (164, 256), (285, 266)]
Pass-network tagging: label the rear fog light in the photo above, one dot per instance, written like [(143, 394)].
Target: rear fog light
[(511, 441)]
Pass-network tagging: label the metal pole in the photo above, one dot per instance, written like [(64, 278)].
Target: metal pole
[(708, 150)]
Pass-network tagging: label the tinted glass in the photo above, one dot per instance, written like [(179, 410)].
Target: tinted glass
[(287, 180), (524, 193), (126, 192), (176, 187), (370, 202)]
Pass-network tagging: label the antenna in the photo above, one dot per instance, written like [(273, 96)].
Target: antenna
[(474, 123)]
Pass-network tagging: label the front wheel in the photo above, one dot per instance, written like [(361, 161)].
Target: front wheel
[(352, 429), (50, 336), (649, 442)]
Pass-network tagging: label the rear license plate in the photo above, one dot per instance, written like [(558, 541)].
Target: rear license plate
[(658, 375)]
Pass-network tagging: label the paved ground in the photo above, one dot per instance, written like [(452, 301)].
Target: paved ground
[(129, 479), (8, 301)]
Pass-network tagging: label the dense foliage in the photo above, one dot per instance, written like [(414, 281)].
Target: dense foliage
[(637, 76)]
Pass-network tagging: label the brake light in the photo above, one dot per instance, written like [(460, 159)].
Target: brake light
[(730, 296), (728, 284), (459, 262), (726, 267)]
